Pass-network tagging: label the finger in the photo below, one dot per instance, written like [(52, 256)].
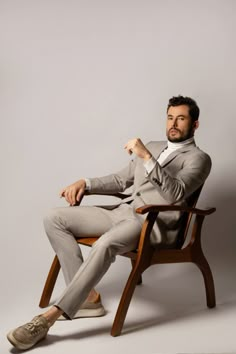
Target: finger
[(128, 145), (128, 148), (79, 195), (129, 151), (70, 196), (73, 197), (66, 196), (62, 193)]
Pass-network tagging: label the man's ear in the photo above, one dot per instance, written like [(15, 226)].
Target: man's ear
[(195, 124)]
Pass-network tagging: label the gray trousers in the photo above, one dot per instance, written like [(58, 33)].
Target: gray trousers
[(119, 229)]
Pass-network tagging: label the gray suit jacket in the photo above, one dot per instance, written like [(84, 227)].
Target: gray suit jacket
[(172, 182)]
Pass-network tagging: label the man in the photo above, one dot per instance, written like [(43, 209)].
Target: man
[(160, 173)]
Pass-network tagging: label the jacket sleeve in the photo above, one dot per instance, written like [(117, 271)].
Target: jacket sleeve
[(192, 175), (116, 182)]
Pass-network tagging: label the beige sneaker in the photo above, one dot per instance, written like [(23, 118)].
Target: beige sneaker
[(26, 336), (88, 309)]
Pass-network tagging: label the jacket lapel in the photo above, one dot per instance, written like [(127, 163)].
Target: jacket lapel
[(160, 148), (175, 153)]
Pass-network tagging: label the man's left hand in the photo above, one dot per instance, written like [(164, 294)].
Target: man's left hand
[(137, 147)]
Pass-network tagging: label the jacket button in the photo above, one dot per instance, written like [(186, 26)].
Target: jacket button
[(138, 194)]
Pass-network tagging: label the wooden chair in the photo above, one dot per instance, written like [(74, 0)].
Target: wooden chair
[(146, 255)]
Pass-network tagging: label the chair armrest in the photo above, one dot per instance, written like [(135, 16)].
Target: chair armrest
[(158, 208), (117, 195)]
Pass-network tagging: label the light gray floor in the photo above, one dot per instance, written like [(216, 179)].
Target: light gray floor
[(168, 313)]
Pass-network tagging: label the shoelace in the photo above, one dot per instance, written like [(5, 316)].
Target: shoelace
[(34, 327)]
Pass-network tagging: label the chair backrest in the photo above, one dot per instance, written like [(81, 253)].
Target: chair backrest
[(186, 218)]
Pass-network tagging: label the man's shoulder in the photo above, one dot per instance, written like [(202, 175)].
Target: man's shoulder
[(196, 150), (196, 154)]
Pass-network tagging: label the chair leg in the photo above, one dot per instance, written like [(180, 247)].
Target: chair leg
[(124, 302), (50, 283), (208, 280), (140, 281)]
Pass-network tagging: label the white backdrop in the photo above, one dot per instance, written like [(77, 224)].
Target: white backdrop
[(80, 78)]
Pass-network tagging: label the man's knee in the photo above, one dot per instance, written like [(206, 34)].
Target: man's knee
[(104, 246), (52, 219)]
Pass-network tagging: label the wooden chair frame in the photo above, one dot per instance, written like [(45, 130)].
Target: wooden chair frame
[(146, 255)]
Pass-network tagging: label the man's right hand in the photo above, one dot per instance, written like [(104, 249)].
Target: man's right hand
[(74, 193)]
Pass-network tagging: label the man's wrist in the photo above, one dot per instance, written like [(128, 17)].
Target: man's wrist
[(87, 184), (149, 165)]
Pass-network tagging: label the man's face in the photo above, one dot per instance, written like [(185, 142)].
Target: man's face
[(179, 125)]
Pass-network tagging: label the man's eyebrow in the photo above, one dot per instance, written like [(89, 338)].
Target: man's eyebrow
[(180, 115)]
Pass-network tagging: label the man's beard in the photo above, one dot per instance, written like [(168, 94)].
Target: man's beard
[(181, 137)]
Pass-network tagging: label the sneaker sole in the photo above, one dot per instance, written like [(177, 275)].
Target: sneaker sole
[(83, 313), (18, 344)]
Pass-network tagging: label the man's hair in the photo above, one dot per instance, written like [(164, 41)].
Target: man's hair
[(192, 105)]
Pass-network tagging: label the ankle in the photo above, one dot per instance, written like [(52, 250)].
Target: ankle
[(52, 315), (93, 296)]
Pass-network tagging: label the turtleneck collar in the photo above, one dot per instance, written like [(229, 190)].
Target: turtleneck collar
[(175, 146)]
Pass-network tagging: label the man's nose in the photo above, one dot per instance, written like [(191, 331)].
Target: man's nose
[(175, 123)]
